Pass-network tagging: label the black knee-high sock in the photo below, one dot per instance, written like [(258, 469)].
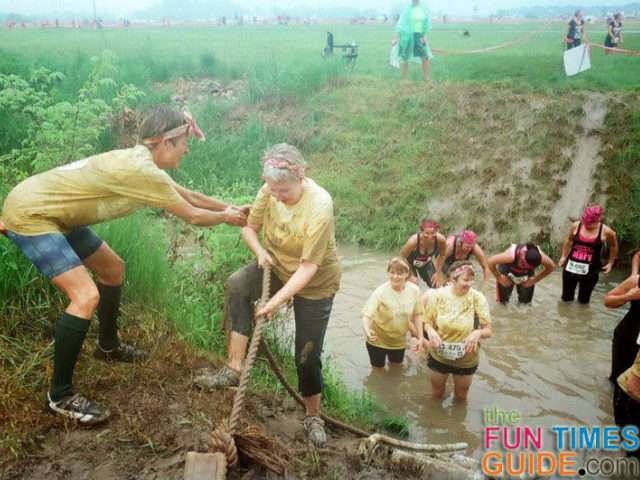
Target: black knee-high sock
[(70, 333), (108, 310)]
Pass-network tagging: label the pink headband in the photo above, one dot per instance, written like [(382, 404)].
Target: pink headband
[(429, 224), (282, 165), (592, 214), (468, 237), (190, 126), (461, 271)]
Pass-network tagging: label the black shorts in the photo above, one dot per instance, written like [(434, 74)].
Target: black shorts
[(446, 369), (378, 355)]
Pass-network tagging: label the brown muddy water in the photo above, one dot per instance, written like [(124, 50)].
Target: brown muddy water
[(549, 361)]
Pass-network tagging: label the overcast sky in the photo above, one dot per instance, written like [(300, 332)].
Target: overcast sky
[(125, 7)]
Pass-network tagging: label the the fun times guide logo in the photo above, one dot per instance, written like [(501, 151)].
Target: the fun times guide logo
[(514, 449)]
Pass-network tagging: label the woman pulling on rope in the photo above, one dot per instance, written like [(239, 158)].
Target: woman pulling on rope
[(393, 309), (413, 24), (456, 318), (46, 216), (614, 33), (576, 31), (625, 336), (581, 252), (295, 215), (424, 252), (461, 247)]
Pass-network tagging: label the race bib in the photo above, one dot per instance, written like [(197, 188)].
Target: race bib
[(452, 350), (517, 280), (577, 267)]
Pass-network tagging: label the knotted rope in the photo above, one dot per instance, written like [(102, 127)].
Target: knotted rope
[(222, 437)]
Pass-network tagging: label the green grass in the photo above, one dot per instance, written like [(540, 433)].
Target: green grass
[(260, 53)]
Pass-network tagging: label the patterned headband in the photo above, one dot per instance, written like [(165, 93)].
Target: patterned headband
[(283, 165), (461, 271), (190, 126)]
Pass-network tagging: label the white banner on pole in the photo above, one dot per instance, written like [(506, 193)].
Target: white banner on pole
[(577, 60)]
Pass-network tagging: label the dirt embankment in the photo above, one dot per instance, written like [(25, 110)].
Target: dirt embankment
[(157, 418)]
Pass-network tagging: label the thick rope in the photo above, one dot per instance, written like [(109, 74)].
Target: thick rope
[(222, 438)]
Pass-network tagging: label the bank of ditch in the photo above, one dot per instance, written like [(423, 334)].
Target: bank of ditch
[(492, 157)]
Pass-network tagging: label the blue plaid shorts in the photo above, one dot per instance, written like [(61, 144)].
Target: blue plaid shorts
[(55, 253)]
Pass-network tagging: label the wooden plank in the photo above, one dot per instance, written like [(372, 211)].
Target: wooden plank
[(205, 466)]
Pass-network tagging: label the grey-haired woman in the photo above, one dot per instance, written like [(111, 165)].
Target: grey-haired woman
[(295, 215)]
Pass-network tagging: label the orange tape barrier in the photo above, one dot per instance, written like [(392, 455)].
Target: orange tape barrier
[(624, 51), (510, 43)]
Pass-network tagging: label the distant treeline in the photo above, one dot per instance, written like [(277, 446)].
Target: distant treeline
[(548, 11)]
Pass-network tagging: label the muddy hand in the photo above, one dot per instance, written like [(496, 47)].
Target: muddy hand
[(234, 217), (471, 343), (264, 259), (246, 209)]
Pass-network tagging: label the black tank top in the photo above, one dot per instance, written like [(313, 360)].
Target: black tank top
[(517, 268), (587, 251), (452, 258), (420, 260)]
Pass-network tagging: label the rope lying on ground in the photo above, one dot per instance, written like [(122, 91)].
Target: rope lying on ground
[(510, 43)]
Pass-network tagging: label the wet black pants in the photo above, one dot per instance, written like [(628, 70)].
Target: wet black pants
[(585, 284)]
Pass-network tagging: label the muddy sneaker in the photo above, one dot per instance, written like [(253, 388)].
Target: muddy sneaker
[(79, 408), (314, 426), (123, 353), (223, 378)]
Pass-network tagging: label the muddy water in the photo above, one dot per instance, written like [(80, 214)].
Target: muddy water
[(549, 361)]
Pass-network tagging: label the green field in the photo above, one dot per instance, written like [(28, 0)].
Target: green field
[(151, 55)]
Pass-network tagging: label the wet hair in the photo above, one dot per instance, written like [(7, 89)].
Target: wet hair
[(160, 120), (459, 264), (283, 163), (429, 223), (533, 256), (399, 263)]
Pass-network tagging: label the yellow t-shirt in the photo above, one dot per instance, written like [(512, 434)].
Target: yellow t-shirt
[(391, 312), (295, 233), (98, 188), (634, 369), (453, 318)]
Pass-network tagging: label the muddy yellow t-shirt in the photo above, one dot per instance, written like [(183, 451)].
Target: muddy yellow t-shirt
[(295, 233), (453, 318), (98, 188), (390, 312), (623, 379)]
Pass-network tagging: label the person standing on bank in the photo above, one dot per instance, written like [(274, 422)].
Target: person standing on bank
[(423, 251), (47, 217), (576, 31), (581, 251), (614, 33), (516, 266), (295, 215), (413, 24), (627, 333)]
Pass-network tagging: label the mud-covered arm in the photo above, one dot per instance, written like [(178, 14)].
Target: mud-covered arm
[(498, 259), (479, 253), (548, 267)]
